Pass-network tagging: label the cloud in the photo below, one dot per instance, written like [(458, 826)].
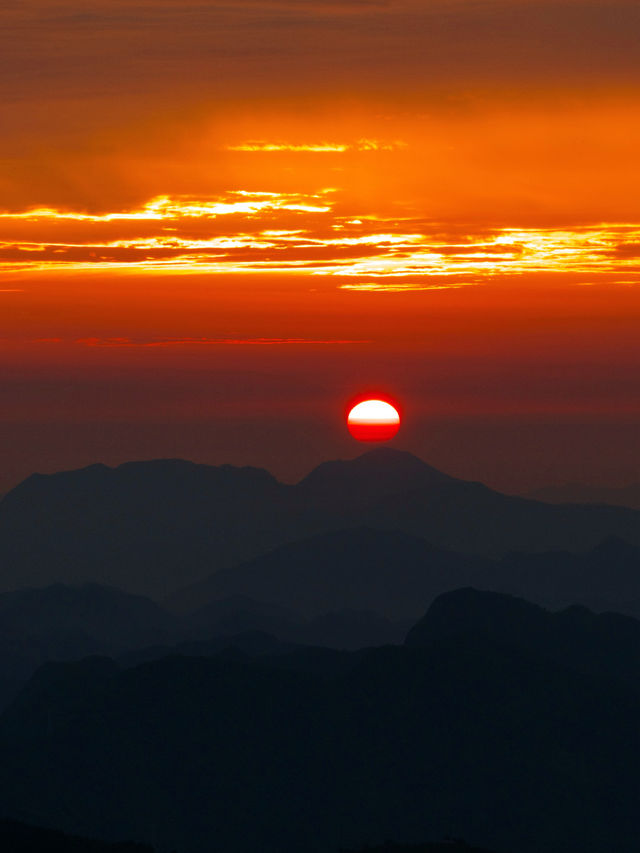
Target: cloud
[(268, 232), (259, 146), (269, 147), (197, 342)]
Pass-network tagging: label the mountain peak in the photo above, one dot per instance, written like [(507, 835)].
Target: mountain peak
[(469, 611), (382, 470), (392, 456)]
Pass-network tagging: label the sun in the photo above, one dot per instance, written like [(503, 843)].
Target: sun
[(373, 420)]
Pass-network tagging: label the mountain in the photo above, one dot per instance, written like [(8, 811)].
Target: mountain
[(143, 527), (65, 623), (482, 733), (606, 644), (397, 576), (345, 484), (605, 578), (343, 628), (154, 527), (111, 618), (579, 493), (386, 572)]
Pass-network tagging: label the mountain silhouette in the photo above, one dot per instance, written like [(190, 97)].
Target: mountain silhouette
[(390, 573), (600, 644), (140, 527), (154, 527), (65, 623), (343, 628), (345, 590), (579, 493), (374, 475), (112, 618), (605, 578), (397, 576), (495, 733)]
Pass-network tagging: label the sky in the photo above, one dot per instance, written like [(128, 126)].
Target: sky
[(220, 222)]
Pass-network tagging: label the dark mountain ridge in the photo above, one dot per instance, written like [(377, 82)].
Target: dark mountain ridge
[(153, 527), (398, 575), (62, 622), (386, 572), (606, 644), (580, 493), (482, 734)]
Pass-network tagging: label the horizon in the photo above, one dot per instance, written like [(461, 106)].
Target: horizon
[(465, 450), (381, 447)]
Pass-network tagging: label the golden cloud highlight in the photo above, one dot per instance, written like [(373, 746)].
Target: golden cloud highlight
[(310, 234), (260, 146)]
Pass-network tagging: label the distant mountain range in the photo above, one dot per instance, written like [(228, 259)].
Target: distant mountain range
[(155, 527), (398, 575), (66, 623), (204, 658), (346, 589), (578, 493), (497, 722)]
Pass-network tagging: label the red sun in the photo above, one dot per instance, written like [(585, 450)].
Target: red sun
[(373, 420)]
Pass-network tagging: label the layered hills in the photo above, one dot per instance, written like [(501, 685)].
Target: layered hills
[(154, 527), (495, 722)]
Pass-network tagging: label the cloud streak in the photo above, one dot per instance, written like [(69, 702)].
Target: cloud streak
[(362, 145), (198, 342), (310, 235)]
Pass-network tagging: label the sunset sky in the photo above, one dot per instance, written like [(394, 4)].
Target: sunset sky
[(220, 221)]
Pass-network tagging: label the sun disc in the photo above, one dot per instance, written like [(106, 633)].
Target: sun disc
[(373, 420)]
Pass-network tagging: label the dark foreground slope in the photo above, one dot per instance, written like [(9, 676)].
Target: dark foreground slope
[(17, 837), (154, 527), (497, 738), (452, 846)]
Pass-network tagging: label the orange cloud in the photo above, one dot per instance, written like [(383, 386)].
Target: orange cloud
[(318, 147), (310, 234), (181, 342)]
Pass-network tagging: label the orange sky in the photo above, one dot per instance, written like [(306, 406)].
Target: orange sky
[(219, 221)]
